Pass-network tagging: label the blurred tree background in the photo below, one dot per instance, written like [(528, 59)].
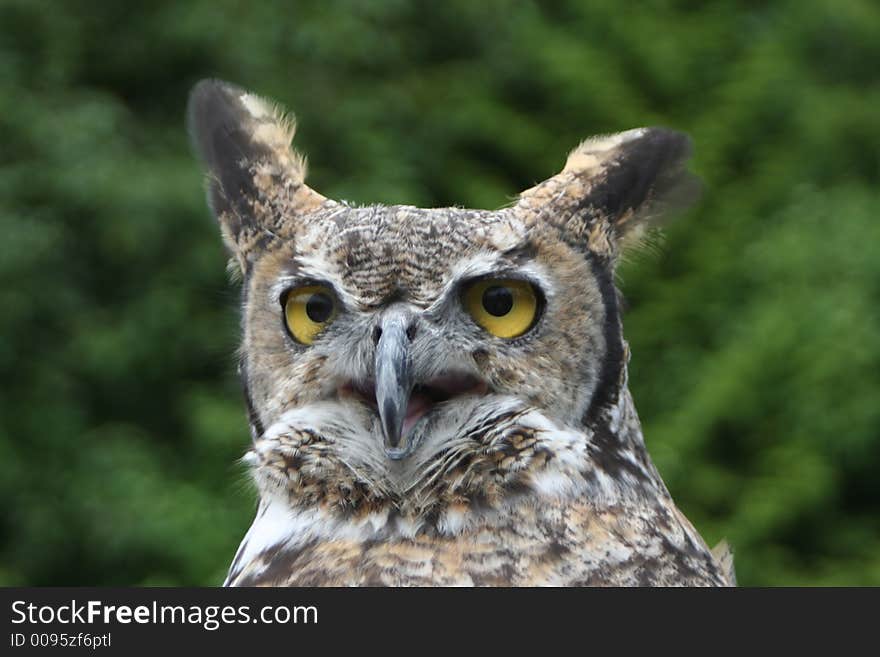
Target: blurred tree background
[(755, 328)]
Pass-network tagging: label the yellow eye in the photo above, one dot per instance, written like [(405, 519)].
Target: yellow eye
[(308, 310), (504, 307)]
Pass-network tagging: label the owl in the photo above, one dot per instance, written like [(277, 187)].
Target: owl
[(439, 396)]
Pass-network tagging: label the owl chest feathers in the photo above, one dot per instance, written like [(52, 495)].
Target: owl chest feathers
[(526, 504)]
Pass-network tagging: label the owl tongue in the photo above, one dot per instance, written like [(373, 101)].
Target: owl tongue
[(419, 404), (424, 397)]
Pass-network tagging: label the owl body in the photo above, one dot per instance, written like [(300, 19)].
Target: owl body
[(439, 396)]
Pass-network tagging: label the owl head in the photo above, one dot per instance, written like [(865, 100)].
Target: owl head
[(386, 348)]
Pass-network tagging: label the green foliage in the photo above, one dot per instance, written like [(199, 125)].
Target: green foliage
[(754, 330)]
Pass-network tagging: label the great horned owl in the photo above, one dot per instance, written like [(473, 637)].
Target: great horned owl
[(439, 396)]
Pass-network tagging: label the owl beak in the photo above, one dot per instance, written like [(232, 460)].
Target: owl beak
[(394, 382)]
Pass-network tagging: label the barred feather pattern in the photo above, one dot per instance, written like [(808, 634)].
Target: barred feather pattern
[(524, 504)]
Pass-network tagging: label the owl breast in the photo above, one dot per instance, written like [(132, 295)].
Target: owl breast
[(572, 544), (526, 504)]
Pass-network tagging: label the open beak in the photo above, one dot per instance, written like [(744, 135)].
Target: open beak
[(400, 396), (394, 383)]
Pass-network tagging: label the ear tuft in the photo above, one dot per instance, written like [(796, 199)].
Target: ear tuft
[(613, 187), (255, 179), (275, 129)]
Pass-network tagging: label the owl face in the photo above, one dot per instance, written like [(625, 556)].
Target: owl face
[(387, 345), (418, 320)]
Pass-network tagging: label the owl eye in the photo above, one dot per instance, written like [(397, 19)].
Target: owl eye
[(308, 310), (506, 308)]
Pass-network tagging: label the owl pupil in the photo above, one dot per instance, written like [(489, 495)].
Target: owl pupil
[(319, 307), (497, 300)]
